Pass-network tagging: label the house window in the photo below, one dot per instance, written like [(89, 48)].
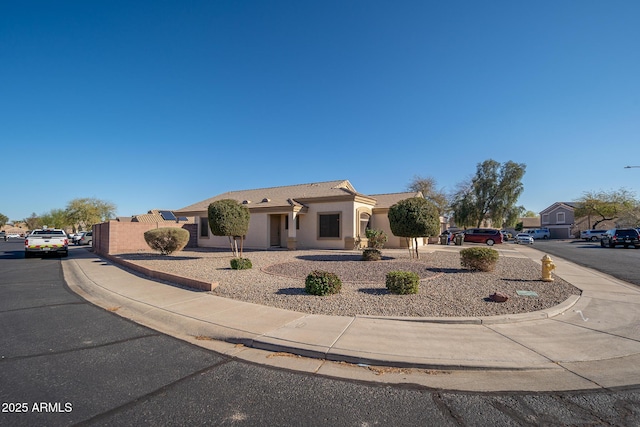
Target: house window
[(545, 218), (329, 226), (365, 219), (286, 222), (204, 227), (560, 218)]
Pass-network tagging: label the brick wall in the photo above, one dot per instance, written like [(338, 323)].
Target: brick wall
[(116, 237)]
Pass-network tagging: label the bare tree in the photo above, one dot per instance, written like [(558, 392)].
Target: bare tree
[(428, 187)]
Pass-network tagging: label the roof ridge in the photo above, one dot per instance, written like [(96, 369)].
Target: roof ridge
[(339, 181)]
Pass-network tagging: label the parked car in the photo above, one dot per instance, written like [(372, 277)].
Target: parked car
[(621, 236), (506, 236), (539, 233), (593, 235), (86, 238), (14, 236), (524, 238), (483, 235)]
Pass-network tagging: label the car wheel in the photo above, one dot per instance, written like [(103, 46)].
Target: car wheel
[(594, 238), (611, 245), (490, 242)]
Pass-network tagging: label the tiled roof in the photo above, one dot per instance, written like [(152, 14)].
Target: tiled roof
[(152, 216), (389, 199), (530, 222), (285, 196)]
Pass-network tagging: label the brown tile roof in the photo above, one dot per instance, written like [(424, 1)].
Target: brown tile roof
[(389, 199), (152, 216), (285, 196), (530, 222)]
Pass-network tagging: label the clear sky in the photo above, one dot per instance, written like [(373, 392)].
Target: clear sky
[(161, 104)]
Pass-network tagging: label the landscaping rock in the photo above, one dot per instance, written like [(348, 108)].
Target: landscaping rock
[(499, 297)]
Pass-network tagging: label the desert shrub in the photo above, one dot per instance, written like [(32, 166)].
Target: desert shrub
[(322, 283), (376, 238), (371, 254), (481, 259), (402, 282), (167, 240), (241, 263)]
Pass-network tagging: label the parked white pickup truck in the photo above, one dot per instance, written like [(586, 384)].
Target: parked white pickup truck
[(46, 240)]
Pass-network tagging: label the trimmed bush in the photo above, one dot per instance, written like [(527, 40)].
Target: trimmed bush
[(402, 282), (371, 254), (480, 259), (322, 283), (167, 240), (376, 238), (241, 263)]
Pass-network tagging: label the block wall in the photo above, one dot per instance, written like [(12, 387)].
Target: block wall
[(116, 237)]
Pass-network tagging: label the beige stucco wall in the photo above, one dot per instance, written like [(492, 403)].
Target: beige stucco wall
[(306, 237), (380, 221), (256, 238)]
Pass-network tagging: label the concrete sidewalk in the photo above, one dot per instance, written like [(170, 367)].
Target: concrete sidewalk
[(589, 342)]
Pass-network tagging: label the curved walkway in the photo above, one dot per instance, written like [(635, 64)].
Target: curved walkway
[(590, 342)]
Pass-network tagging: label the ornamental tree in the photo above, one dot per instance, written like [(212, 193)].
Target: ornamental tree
[(228, 217), (412, 218)]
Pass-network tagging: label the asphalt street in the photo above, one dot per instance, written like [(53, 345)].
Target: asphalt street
[(64, 361)]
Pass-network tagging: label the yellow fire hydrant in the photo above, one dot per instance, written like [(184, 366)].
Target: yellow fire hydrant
[(547, 267)]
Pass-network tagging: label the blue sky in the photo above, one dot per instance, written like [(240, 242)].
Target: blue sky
[(161, 104)]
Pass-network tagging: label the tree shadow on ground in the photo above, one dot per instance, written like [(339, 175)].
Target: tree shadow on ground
[(154, 257), (292, 291), (374, 291), (340, 257), (448, 270)]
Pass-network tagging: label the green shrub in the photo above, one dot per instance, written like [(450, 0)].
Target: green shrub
[(376, 238), (167, 239), (241, 263), (402, 282), (371, 254), (481, 259), (322, 283)]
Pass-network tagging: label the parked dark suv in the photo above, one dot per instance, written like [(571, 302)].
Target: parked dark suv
[(483, 235), (621, 236)]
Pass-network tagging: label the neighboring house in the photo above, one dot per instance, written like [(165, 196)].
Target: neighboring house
[(154, 216), (530, 222), (323, 215), (559, 219)]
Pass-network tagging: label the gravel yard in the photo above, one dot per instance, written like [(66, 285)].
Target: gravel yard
[(446, 290)]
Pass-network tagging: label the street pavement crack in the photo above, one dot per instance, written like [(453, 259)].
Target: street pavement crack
[(75, 349), (151, 394)]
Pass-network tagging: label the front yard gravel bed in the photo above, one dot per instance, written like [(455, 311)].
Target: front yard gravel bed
[(446, 290)]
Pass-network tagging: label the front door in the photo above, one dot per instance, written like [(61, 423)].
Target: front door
[(275, 230)]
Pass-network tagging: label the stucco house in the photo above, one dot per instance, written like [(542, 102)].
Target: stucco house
[(322, 215), (559, 219)]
